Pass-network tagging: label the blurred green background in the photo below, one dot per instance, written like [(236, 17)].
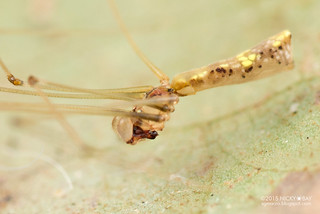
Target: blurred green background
[(222, 150)]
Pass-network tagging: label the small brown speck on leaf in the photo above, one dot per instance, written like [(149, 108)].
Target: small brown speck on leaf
[(5, 198), (32, 80), (317, 98), (249, 69)]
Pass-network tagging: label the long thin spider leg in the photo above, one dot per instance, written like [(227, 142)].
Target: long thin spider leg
[(61, 87), (127, 92), (126, 97), (160, 74), (58, 115), (41, 108), (121, 94), (132, 93), (156, 104)]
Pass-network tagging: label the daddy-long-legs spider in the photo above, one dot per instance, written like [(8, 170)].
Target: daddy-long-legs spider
[(151, 106)]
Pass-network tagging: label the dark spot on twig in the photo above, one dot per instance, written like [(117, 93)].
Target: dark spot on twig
[(5, 199), (220, 70), (249, 69)]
